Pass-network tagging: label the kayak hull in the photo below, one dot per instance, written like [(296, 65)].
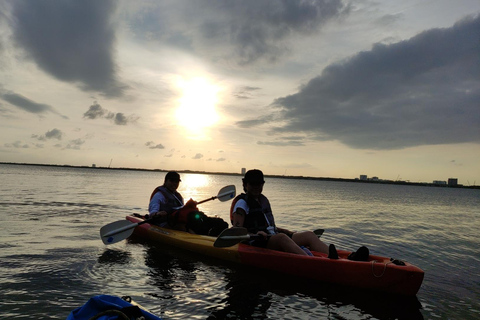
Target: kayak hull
[(379, 273)]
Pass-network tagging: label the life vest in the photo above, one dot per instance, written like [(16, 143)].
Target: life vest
[(260, 215), (174, 199)]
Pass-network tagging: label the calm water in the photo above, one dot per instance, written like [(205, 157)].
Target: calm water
[(52, 260)]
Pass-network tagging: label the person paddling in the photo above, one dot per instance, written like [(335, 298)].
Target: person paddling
[(252, 210)]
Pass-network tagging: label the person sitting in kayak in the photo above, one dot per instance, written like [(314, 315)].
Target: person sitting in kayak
[(252, 210), (168, 209), (165, 199)]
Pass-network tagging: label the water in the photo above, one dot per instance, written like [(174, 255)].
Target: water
[(52, 260)]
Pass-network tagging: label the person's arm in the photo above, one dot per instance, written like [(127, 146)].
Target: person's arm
[(154, 208), (239, 217)]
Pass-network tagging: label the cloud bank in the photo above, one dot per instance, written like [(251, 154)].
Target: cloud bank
[(422, 91)]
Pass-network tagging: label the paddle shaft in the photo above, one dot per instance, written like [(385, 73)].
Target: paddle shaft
[(131, 226)]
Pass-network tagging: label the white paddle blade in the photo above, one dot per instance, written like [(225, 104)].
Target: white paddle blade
[(117, 231), (226, 193)]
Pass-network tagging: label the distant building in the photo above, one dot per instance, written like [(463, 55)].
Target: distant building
[(94, 165), (439, 183), (243, 171), (452, 182), (363, 177)]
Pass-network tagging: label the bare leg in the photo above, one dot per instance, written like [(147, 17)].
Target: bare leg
[(310, 239), (282, 242)]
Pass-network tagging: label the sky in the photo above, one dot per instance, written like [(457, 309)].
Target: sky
[(326, 88)]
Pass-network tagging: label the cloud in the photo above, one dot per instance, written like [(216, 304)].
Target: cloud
[(96, 111), (28, 105), (152, 145), (254, 122), (244, 32), (246, 92), (421, 91), (17, 144), (277, 143), (198, 156), (52, 134), (71, 40), (75, 144)]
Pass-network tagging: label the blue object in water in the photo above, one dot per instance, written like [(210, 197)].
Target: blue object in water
[(102, 303)]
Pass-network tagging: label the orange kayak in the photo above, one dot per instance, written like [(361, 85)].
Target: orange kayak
[(379, 273)]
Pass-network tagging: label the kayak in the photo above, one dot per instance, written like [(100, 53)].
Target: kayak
[(378, 273), (107, 307)]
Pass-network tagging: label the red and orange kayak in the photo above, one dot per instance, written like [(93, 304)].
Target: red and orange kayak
[(379, 273)]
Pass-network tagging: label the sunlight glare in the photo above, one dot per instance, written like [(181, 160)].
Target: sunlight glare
[(197, 105)]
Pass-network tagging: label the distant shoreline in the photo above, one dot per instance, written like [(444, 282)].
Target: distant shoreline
[(422, 184)]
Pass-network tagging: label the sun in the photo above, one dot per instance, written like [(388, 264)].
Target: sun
[(196, 110)]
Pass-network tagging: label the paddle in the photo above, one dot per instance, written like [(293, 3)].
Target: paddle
[(120, 230), (234, 235)]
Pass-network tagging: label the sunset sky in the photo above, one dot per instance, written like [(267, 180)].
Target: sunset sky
[(325, 88)]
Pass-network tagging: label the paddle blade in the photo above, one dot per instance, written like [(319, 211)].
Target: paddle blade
[(117, 231), (230, 237), (226, 193)]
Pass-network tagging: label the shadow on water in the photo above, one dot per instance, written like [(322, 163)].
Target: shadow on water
[(248, 293), (114, 256), (248, 298)]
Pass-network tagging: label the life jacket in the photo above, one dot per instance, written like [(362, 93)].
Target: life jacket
[(260, 215), (174, 199)]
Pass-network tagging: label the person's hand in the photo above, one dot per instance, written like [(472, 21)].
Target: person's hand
[(263, 234), (159, 214)]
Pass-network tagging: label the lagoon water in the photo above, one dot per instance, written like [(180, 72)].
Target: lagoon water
[(52, 259)]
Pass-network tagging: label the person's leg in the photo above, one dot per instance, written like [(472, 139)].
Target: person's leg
[(282, 242), (310, 239)]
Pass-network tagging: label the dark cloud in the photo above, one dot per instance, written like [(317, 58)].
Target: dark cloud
[(246, 31), (28, 105), (71, 40), (153, 145), (52, 134), (198, 156), (254, 122), (96, 111), (422, 91)]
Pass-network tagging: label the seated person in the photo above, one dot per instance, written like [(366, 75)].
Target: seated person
[(167, 206)]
